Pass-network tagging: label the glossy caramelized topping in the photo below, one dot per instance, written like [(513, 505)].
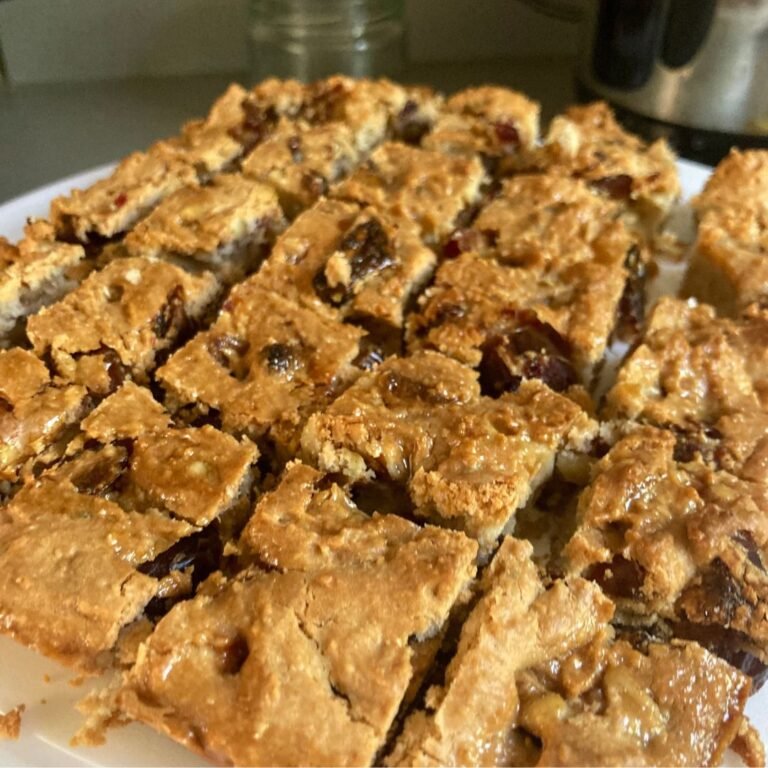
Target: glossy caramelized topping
[(297, 435)]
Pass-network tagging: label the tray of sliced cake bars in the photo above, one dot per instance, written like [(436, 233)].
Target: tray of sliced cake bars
[(358, 424)]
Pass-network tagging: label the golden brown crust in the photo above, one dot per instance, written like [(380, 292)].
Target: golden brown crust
[(305, 666), (265, 365), (301, 161), (117, 321), (516, 624), (81, 549), (35, 413), (198, 222), (348, 262), (676, 540), (740, 179), (729, 267), (587, 142), (468, 462), (115, 204), (426, 189), (494, 122), (705, 377), (645, 715), (68, 565), (37, 271)]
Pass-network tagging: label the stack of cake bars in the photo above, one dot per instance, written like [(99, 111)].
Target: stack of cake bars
[(299, 437)]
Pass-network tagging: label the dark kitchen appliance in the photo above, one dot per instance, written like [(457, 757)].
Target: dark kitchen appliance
[(695, 71)]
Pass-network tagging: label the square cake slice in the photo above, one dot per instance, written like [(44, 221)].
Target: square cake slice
[(130, 451), (545, 277), (194, 474), (729, 266), (469, 462), (117, 322), (704, 377), (307, 662), (226, 226), (37, 271), (113, 205), (263, 367), (301, 161), (71, 570), (588, 143), (426, 189), (679, 542), (371, 109), (496, 124), (36, 414), (353, 263)]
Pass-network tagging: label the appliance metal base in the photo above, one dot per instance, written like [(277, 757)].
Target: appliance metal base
[(698, 144)]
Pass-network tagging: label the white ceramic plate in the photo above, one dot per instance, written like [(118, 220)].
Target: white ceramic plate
[(43, 686)]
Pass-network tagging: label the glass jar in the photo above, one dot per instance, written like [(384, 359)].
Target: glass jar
[(308, 39)]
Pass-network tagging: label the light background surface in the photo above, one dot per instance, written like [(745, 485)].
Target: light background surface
[(71, 40)]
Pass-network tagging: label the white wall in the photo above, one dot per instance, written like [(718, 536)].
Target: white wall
[(54, 40)]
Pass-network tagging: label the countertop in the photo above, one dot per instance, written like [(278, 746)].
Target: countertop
[(52, 130)]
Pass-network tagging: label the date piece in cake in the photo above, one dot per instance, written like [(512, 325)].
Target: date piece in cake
[(550, 275), (307, 662), (469, 462), (352, 263), (371, 109), (495, 123), (113, 205), (680, 542), (704, 377), (226, 226), (35, 413), (533, 660), (70, 570), (587, 142), (262, 368), (301, 161), (426, 189), (729, 266), (114, 325), (37, 271)]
